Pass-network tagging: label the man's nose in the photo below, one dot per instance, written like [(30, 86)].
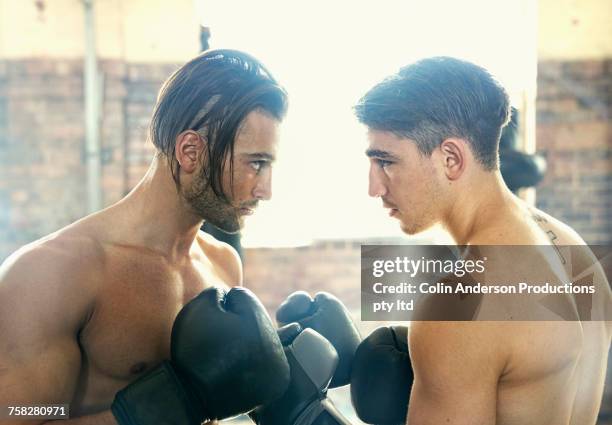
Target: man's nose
[(263, 187), (376, 186)]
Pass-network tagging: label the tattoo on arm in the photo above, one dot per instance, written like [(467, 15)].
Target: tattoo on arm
[(553, 238)]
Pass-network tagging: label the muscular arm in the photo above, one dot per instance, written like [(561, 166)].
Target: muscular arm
[(456, 366), (41, 310)]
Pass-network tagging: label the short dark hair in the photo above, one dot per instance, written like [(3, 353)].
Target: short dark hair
[(437, 98), (212, 94)]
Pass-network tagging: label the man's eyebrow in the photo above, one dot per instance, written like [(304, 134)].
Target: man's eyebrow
[(371, 153), (258, 155)]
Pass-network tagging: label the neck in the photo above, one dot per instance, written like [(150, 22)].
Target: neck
[(157, 216), (478, 207)]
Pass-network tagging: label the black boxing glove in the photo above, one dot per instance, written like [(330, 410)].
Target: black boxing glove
[(312, 360), (328, 316), (226, 359), (382, 377)]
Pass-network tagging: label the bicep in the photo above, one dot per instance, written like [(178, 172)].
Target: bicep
[(39, 354), (456, 374), (44, 372)]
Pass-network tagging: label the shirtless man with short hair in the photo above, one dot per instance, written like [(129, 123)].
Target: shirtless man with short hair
[(433, 131), (89, 309)]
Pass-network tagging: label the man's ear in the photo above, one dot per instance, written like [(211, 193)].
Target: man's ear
[(188, 150), (454, 156)]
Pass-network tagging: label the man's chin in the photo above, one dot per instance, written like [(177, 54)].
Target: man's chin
[(412, 228)]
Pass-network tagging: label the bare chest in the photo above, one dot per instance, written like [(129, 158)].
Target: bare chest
[(129, 330)]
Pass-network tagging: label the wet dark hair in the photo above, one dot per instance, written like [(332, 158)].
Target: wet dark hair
[(437, 98), (212, 94)]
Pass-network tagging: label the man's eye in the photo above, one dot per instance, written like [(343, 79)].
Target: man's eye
[(382, 163), (258, 165)]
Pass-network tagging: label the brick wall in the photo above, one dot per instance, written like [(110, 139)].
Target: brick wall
[(325, 266), (574, 107), (42, 172)]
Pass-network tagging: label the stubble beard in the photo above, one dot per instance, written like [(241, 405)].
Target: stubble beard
[(206, 204)]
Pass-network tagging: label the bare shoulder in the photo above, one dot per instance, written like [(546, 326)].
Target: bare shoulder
[(54, 276), (222, 256), (522, 224), (68, 251), (558, 231), (582, 262)]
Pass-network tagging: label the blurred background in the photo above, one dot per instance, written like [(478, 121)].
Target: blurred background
[(79, 78)]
